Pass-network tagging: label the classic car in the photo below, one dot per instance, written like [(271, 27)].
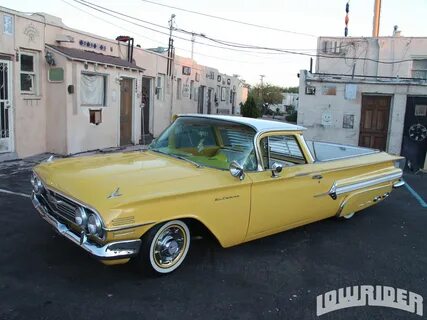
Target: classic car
[(237, 178)]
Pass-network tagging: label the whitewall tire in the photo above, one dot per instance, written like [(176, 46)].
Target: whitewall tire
[(165, 247)]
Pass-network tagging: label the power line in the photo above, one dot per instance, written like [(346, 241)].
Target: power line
[(158, 42), (125, 15), (107, 11), (249, 46), (231, 20), (234, 46)]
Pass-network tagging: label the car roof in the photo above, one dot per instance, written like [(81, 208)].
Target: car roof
[(257, 124)]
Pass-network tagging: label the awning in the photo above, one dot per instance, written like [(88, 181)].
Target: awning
[(93, 57)]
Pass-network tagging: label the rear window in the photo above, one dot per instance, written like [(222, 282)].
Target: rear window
[(237, 137)]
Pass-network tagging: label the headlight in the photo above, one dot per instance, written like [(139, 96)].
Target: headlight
[(80, 216), (94, 225), (37, 184)]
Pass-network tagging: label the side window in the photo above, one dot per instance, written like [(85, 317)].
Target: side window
[(283, 149), (29, 73)]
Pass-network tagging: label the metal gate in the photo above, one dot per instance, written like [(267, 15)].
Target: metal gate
[(5, 104)]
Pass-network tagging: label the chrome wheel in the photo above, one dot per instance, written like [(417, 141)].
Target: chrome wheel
[(169, 246)]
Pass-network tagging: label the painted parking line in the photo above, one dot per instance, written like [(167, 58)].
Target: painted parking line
[(416, 195), (15, 193)]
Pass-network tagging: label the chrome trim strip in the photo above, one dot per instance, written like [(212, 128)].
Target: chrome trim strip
[(112, 250), (130, 226), (337, 190), (398, 184)]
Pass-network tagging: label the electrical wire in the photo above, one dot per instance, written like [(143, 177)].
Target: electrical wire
[(234, 46), (231, 20), (158, 42), (114, 14), (248, 46)]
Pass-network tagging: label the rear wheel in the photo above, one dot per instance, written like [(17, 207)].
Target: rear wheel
[(164, 247)]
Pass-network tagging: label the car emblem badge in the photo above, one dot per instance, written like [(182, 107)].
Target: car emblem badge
[(116, 193)]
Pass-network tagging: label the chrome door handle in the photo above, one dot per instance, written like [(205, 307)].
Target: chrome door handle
[(317, 176)]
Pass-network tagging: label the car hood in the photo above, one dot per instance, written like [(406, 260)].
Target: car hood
[(137, 175)]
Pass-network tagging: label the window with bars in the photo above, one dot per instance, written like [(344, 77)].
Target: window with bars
[(419, 69)]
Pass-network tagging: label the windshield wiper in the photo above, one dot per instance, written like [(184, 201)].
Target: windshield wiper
[(185, 159), (177, 156)]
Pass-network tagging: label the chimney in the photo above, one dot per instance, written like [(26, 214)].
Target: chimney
[(396, 31)]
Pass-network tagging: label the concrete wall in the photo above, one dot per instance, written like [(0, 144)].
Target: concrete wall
[(28, 112), (382, 48), (313, 107)]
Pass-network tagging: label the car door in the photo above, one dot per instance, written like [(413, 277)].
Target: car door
[(295, 196)]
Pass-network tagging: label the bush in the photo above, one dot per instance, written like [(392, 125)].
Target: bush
[(249, 109), (292, 117)]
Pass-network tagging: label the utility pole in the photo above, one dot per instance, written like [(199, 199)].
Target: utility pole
[(170, 64), (193, 39), (262, 85), (170, 47), (377, 15)]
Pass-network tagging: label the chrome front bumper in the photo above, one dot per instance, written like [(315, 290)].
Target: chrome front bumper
[(398, 184), (112, 250)]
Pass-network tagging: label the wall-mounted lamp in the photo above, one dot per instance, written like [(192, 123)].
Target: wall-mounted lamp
[(49, 58)]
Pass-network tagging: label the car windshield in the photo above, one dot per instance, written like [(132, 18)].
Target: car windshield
[(208, 142)]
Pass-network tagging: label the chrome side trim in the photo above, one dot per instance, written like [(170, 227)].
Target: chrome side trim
[(112, 250), (337, 190), (130, 226), (398, 184)]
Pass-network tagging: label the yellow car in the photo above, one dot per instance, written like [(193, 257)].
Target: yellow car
[(237, 178)]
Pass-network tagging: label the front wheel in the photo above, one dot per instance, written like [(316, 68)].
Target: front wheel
[(164, 247), (348, 216)]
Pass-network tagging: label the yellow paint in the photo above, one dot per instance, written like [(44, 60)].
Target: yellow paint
[(156, 188)]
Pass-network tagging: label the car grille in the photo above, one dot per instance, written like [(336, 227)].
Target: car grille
[(61, 205)]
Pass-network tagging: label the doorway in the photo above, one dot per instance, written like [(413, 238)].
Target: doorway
[(374, 121), (146, 105), (414, 142), (210, 100), (5, 105), (201, 99), (126, 111)]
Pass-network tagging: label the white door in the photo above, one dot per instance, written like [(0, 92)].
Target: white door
[(5, 105)]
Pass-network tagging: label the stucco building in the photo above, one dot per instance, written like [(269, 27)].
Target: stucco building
[(67, 91), (369, 92)]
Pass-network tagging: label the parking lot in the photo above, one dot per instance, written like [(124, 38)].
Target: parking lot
[(43, 276)]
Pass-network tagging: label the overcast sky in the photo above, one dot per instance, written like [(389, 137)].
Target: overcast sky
[(312, 17)]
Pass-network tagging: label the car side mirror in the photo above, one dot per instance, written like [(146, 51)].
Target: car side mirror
[(276, 168), (236, 170)]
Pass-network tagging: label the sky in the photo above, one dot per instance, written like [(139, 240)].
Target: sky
[(306, 19)]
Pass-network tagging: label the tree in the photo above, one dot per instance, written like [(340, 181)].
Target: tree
[(249, 109), (291, 89), (267, 94)]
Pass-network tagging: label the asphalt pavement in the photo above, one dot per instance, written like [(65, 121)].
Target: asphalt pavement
[(43, 276)]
